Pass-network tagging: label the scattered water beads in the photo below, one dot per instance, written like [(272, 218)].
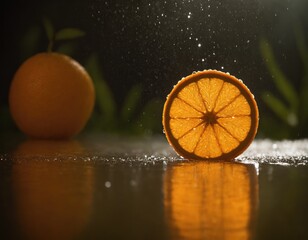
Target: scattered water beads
[(179, 23), (284, 153), (107, 184), (152, 152)]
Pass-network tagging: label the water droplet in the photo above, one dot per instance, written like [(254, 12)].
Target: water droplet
[(133, 183), (107, 184)]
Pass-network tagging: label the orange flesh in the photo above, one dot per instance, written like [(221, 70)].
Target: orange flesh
[(210, 115)]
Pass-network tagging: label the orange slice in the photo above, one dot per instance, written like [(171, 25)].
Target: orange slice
[(210, 115)]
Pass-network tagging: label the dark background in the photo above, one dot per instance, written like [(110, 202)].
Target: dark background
[(156, 43)]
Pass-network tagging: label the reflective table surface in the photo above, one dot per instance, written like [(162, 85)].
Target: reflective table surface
[(106, 187)]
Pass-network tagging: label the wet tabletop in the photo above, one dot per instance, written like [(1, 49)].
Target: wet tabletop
[(106, 187)]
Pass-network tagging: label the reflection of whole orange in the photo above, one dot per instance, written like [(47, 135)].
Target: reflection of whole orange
[(51, 96), (53, 194)]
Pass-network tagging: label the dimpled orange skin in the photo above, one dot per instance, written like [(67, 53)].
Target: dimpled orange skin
[(51, 96), (225, 77)]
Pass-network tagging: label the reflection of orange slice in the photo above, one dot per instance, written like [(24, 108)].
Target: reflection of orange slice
[(211, 200), (210, 115)]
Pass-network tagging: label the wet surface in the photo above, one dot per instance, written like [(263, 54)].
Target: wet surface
[(111, 188)]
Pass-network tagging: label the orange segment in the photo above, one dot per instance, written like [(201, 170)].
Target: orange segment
[(210, 115), (191, 138), (237, 126), (208, 145), (182, 126), (189, 95), (182, 109), (239, 103), (227, 141), (210, 89), (226, 96)]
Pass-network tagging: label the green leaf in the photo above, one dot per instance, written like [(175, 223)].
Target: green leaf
[(280, 109), (301, 45), (48, 29), (69, 33), (131, 103), (283, 85), (104, 98), (304, 100), (272, 128), (67, 48), (150, 118), (303, 52)]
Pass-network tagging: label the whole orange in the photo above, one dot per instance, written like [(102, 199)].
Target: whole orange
[(51, 96)]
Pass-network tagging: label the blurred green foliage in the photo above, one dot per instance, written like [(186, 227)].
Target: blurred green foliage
[(290, 110), (135, 116), (62, 34)]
